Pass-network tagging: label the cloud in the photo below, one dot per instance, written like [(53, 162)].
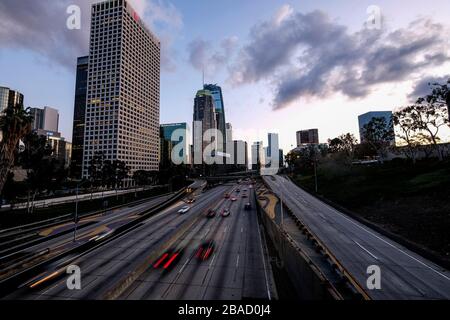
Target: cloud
[(424, 86), (40, 26), (203, 56), (311, 56)]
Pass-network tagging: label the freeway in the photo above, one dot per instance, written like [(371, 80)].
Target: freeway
[(60, 238), (404, 274), (172, 256)]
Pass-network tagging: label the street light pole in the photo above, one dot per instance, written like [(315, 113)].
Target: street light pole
[(76, 215)]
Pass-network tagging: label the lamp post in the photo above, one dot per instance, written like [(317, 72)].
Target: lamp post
[(76, 209)]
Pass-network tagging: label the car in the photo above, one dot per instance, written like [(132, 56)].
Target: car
[(190, 200), (211, 213), (248, 206), (168, 260), (238, 190), (226, 212), (233, 199), (244, 196), (184, 209), (227, 195), (205, 250)]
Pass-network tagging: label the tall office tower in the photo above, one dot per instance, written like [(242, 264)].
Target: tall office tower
[(9, 97), (79, 117), (204, 112), (216, 92), (229, 132), (239, 154), (257, 155), (122, 108), (366, 118), (45, 120), (307, 137), (173, 135)]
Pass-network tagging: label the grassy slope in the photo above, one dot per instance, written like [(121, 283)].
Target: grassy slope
[(413, 202)]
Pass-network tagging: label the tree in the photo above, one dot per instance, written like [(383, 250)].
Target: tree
[(15, 123), (428, 118), (440, 95), (95, 169), (345, 144), (379, 134), (404, 122), (44, 172)]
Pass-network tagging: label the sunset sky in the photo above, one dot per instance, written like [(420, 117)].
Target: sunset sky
[(283, 65)]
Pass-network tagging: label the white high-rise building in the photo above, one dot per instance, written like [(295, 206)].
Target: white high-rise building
[(123, 90)]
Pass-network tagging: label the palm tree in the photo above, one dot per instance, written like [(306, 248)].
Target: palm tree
[(15, 123)]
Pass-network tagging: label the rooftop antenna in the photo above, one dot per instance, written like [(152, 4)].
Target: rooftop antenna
[(203, 77)]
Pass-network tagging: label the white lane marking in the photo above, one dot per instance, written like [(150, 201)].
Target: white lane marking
[(389, 244), (242, 230), (226, 228), (373, 256), (184, 265), (212, 261), (237, 262)]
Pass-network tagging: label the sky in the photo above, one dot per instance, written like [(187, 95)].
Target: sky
[(283, 66)]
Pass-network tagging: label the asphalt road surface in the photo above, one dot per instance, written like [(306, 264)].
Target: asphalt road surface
[(404, 274), (185, 256)]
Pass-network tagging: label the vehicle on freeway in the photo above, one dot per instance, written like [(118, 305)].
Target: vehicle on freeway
[(244, 196), (211, 213), (227, 195), (185, 209), (238, 190), (205, 250), (248, 206), (168, 260), (190, 200), (233, 199), (226, 212)]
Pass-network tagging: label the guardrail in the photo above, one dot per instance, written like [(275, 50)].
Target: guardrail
[(323, 249)]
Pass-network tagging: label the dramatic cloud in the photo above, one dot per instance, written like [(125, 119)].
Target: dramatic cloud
[(423, 87), (40, 26), (310, 55), (203, 57)]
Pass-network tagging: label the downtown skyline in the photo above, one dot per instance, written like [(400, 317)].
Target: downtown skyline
[(187, 49)]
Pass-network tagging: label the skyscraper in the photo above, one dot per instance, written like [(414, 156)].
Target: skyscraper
[(168, 142), (366, 118), (204, 112), (9, 98), (45, 120), (257, 155), (216, 92), (122, 108), (79, 117), (229, 132), (310, 136)]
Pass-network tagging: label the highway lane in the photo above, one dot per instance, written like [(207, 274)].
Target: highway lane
[(88, 228), (404, 274), (236, 269), (104, 267)]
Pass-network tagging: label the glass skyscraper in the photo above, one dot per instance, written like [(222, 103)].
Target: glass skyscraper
[(9, 97), (366, 118), (79, 117), (167, 143), (216, 92)]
